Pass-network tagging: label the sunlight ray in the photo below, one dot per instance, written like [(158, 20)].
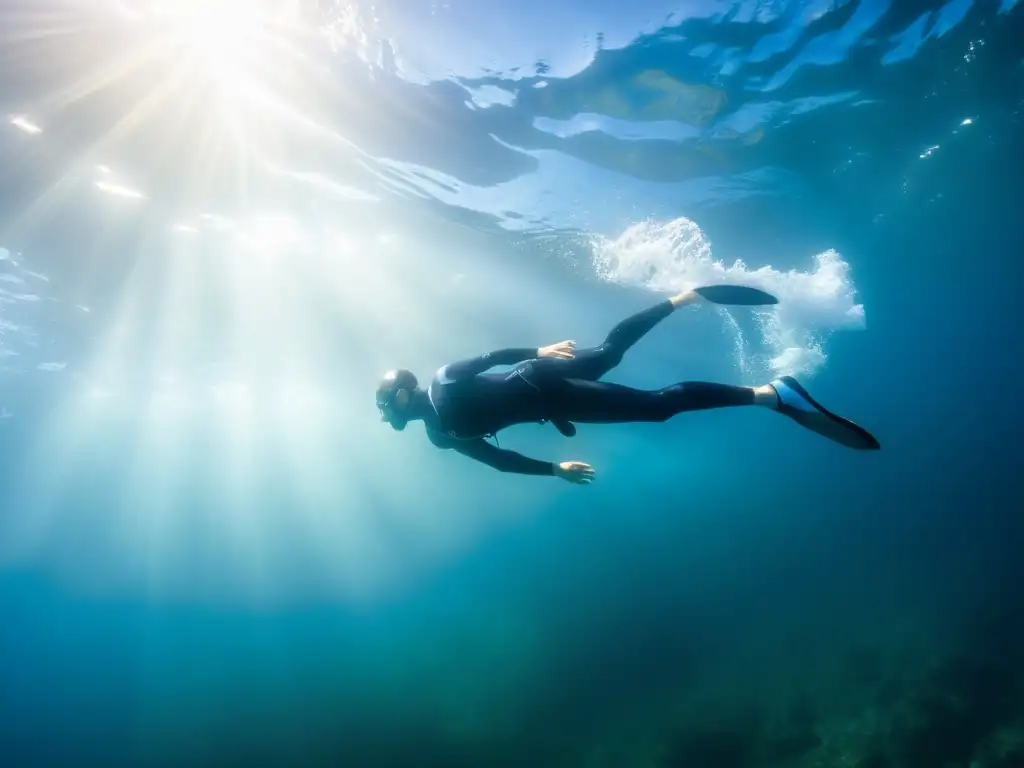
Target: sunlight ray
[(47, 474), (32, 25), (212, 311), (238, 486), (111, 70), (43, 205), (153, 511), (330, 504)]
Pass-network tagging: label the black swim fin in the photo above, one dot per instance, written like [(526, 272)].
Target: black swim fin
[(795, 402), (736, 295), (567, 428)]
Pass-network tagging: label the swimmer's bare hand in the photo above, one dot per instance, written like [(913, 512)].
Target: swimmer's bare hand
[(575, 472), (563, 349)]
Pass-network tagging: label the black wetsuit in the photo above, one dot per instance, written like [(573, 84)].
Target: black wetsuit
[(470, 405)]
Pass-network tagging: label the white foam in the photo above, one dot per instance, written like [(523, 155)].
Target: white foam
[(676, 255)]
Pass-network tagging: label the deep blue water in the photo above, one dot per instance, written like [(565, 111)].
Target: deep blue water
[(215, 240)]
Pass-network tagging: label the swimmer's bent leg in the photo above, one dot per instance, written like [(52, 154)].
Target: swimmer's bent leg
[(595, 362), (598, 402)]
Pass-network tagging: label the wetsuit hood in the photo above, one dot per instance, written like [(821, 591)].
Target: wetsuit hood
[(392, 408)]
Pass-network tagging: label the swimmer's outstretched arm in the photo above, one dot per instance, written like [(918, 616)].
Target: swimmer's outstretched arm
[(509, 461), (510, 356)]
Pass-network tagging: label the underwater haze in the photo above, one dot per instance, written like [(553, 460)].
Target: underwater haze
[(222, 220)]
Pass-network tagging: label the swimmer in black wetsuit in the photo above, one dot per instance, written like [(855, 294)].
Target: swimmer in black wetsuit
[(464, 405)]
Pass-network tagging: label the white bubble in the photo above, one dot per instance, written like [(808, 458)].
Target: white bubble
[(675, 256)]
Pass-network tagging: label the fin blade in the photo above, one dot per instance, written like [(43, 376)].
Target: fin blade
[(815, 417), (736, 295)]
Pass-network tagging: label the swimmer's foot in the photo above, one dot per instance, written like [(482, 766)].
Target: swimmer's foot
[(685, 299)]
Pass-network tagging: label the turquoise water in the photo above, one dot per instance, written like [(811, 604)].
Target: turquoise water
[(220, 223)]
